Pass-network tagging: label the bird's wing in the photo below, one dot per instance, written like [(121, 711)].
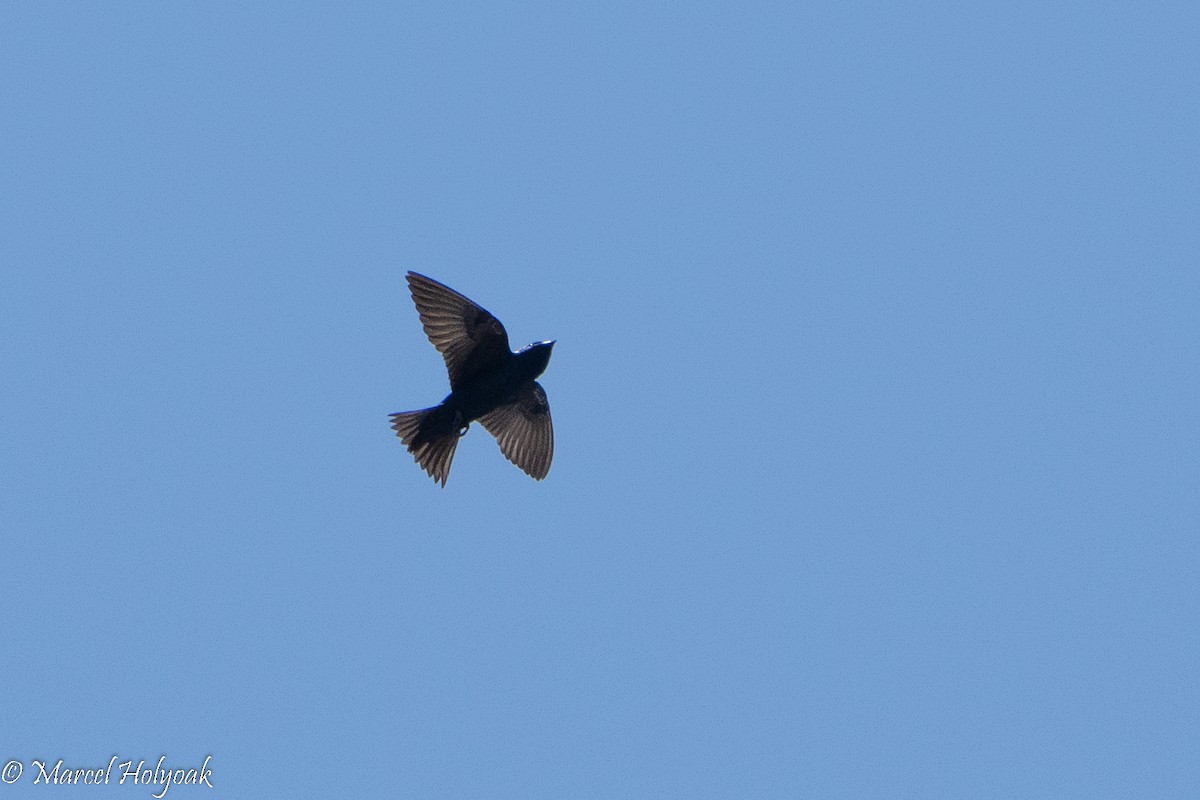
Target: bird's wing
[(466, 335), (524, 431)]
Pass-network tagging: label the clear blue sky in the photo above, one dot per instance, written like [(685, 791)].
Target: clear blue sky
[(875, 397)]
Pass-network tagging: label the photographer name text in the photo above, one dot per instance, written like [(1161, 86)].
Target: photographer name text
[(161, 774)]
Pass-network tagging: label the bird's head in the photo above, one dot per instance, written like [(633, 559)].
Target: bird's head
[(536, 356)]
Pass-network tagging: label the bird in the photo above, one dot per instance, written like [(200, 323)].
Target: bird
[(488, 383)]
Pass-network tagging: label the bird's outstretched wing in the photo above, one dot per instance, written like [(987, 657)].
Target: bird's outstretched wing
[(466, 335), (524, 431)]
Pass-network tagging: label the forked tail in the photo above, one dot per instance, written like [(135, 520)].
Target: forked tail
[(431, 436)]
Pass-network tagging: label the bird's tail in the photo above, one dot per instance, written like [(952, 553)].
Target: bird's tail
[(431, 437)]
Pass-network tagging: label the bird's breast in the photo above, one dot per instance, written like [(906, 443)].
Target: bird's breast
[(483, 393)]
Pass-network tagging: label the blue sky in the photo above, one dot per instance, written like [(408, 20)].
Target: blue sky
[(874, 398)]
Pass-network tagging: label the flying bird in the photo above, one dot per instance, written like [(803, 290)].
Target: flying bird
[(488, 383)]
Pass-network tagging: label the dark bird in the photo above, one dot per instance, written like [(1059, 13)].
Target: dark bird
[(488, 382)]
